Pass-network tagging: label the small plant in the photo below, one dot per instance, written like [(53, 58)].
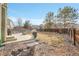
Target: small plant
[(0, 43), (0, 39)]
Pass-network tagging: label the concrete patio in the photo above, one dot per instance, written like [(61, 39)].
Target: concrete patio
[(19, 37)]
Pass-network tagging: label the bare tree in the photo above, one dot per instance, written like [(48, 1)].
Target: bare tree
[(68, 16), (48, 22), (19, 21)]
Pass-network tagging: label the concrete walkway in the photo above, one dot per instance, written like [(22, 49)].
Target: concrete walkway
[(20, 37)]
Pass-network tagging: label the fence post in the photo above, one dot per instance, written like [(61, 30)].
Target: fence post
[(73, 36)]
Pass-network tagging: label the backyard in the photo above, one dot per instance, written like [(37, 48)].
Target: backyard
[(46, 44), (39, 29)]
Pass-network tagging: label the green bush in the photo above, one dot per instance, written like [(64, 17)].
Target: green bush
[(0, 41)]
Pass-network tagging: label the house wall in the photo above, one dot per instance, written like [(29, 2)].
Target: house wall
[(3, 21), (0, 22)]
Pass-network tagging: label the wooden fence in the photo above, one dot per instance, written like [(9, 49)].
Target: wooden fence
[(69, 31)]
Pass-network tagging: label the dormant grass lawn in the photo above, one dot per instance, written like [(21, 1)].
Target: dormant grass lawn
[(50, 38)]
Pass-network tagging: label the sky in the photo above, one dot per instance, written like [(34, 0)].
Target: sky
[(35, 12)]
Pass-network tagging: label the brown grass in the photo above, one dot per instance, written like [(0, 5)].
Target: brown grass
[(50, 38)]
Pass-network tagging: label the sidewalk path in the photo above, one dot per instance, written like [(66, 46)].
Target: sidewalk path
[(20, 37)]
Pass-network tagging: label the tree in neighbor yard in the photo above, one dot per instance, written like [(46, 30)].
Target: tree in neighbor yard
[(19, 22), (68, 16), (27, 24), (48, 22)]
